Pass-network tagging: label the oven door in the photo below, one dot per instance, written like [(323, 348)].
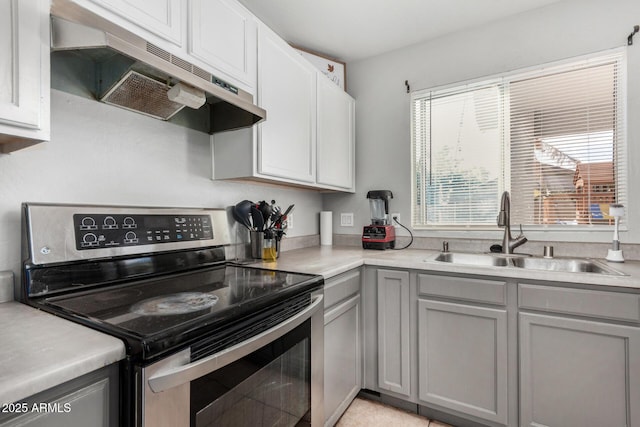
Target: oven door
[(273, 378)]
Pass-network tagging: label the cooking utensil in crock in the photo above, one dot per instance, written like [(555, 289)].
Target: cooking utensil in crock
[(239, 219), (243, 209), (266, 210), (282, 217), (257, 219)]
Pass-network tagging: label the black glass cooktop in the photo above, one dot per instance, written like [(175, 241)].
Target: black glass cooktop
[(159, 313)]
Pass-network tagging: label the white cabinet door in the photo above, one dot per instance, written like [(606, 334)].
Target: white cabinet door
[(24, 73), (287, 90), (223, 34), (162, 18), (335, 136)]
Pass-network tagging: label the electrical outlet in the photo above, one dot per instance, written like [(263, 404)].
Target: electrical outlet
[(290, 220), (346, 219), (397, 217)]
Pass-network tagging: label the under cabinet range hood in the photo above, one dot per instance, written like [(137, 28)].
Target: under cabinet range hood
[(127, 71)]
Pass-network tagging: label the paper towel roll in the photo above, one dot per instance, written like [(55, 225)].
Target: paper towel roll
[(326, 228)]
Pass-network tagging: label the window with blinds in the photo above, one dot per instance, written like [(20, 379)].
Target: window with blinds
[(553, 137)]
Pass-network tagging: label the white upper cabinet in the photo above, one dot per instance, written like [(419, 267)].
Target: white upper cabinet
[(335, 136), (308, 138), (218, 36), (222, 34), (287, 90), (159, 18), (24, 73)]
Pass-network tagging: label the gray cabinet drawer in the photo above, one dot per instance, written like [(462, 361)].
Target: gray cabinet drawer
[(586, 302), (462, 288), (341, 287)]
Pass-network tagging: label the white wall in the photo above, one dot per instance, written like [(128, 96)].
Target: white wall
[(556, 32), (105, 155)]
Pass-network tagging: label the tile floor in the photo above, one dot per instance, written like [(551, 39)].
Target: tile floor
[(366, 413)]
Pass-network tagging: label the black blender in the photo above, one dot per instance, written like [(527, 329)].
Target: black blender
[(380, 234)]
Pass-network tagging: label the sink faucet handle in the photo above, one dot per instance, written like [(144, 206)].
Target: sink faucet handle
[(519, 240)]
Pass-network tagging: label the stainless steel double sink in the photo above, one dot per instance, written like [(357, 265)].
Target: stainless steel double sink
[(571, 265)]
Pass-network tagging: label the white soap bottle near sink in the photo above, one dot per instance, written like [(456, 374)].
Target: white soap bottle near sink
[(615, 254)]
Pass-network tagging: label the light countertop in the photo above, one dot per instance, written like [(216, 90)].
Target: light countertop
[(329, 261), (40, 350)]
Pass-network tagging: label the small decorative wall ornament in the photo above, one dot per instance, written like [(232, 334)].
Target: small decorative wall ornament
[(335, 70)]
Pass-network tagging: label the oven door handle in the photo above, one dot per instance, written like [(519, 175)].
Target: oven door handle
[(170, 377)]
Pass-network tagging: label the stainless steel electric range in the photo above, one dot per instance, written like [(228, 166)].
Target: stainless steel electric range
[(208, 343)]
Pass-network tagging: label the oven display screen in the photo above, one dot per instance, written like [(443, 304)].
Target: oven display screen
[(98, 231)]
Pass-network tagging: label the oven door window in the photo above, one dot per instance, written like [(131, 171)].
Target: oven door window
[(269, 387)]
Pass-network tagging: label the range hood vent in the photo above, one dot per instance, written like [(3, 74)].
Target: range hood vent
[(129, 72), (137, 92)]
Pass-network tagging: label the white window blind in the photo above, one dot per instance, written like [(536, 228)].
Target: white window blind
[(458, 155), (553, 137)]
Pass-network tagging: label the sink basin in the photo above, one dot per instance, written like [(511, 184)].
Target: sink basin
[(473, 259), (571, 265), (565, 265)]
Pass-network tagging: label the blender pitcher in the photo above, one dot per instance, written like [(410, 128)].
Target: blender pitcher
[(379, 206)]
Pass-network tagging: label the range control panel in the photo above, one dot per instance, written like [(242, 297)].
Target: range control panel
[(97, 231)]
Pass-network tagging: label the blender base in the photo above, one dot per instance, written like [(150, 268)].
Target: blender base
[(379, 237), (379, 245)]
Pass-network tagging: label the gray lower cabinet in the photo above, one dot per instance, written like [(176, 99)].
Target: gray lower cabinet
[(576, 373), (487, 351), (393, 333), (462, 355), (342, 344), (91, 400), (463, 346)]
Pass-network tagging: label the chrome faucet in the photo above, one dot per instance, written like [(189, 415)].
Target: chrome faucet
[(504, 220)]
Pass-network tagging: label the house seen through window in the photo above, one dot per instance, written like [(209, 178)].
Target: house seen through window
[(553, 137)]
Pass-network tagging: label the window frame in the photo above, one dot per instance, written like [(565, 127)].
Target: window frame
[(568, 64)]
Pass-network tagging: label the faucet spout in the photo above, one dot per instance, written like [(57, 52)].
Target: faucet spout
[(505, 210), (509, 243)]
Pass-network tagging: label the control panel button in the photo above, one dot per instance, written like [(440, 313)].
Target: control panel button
[(109, 223), (88, 223), (129, 222), (90, 240), (130, 238)]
